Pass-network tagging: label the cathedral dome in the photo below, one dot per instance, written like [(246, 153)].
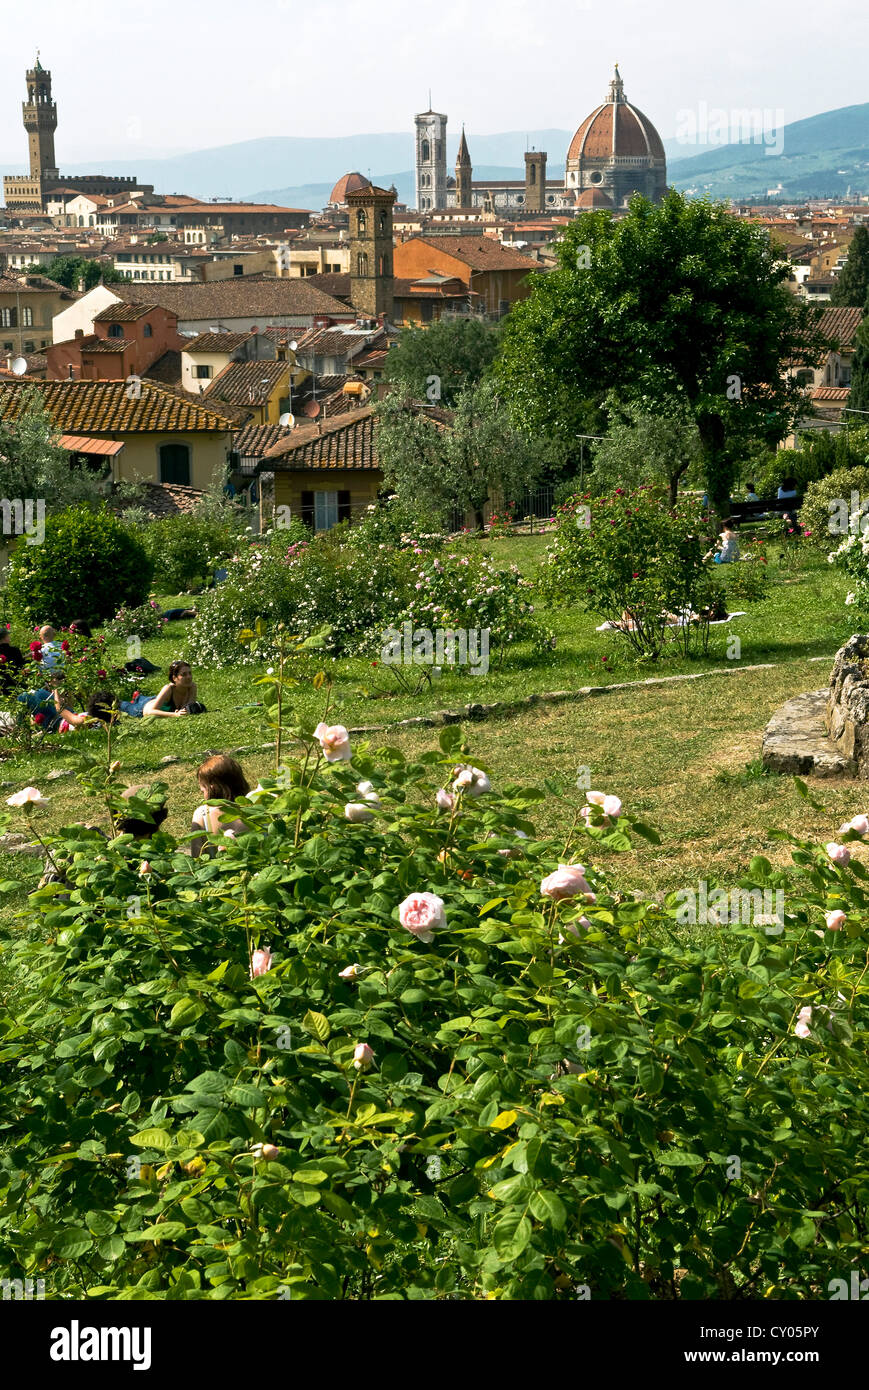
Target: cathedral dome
[(618, 151), (349, 183), (616, 128), (594, 198)]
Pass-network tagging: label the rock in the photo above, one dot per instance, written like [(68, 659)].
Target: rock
[(170, 758), (846, 712), (18, 844), (795, 740), (58, 772)]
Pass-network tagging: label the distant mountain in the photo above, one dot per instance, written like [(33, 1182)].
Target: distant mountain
[(821, 155), (315, 195)]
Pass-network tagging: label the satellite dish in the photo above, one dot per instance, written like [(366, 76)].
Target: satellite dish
[(287, 420), (312, 409), (19, 365), (292, 345)]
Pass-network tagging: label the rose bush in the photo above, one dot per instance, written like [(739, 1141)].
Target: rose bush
[(252, 1076)]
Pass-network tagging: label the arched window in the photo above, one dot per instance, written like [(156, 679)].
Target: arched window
[(425, 151), (383, 221), (361, 223), (175, 464), (362, 264), (27, 316), (533, 173)]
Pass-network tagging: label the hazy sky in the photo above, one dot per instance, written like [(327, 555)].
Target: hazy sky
[(166, 76)]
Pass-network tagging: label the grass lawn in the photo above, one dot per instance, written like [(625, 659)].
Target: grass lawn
[(684, 756)]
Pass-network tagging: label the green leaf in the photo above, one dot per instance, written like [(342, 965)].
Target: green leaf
[(511, 1235), (317, 1025), (547, 1207), (72, 1242), (152, 1139), (185, 1012), (450, 739), (112, 1248), (651, 1075)]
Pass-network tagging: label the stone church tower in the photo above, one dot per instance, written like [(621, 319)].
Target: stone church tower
[(40, 122), (371, 269), (535, 181), (431, 161), (464, 175)]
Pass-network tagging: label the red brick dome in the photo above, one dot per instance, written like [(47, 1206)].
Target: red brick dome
[(616, 128), (594, 198), (349, 183)]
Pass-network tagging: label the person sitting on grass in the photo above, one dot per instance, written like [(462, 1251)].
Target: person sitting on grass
[(52, 657), (178, 696), (220, 778), (727, 549)]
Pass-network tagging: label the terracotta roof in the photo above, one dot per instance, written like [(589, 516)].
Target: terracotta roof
[(594, 198), (480, 253), (103, 407), (82, 444), (241, 297), (248, 383), (336, 342), (166, 369), (34, 284), (215, 342), (123, 313), (349, 443), (616, 128), (831, 393), (841, 324), (95, 344), (333, 282), (435, 287), (254, 440), (169, 499)]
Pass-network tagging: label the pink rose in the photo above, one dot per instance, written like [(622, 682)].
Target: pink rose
[(840, 854), (261, 963), (860, 826), (357, 811), (350, 972), (471, 780), (804, 1018), (568, 881), (422, 914), (335, 742), (362, 1057), (445, 800), (835, 919), (612, 807), (30, 796)]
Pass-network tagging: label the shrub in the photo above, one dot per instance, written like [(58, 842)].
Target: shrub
[(828, 504), (144, 621), (186, 550), (88, 563), (546, 1100), (630, 556)]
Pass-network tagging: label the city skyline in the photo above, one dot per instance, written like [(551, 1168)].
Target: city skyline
[(181, 75)]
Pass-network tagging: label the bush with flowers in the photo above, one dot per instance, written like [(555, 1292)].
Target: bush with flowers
[(393, 1043), (637, 562), (143, 621)]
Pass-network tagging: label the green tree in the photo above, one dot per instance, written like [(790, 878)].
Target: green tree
[(78, 273), (477, 456), (644, 448), (859, 396), (852, 285), (437, 362), (32, 465), (677, 303)]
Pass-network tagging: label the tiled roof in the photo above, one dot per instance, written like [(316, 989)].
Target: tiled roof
[(215, 342), (333, 282), (103, 407), (169, 499), (123, 313), (95, 344), (480, 253), (450, 287), (34, 284), (841, 324), (831, 393), (242, 297), (349, 443), (248, 383), (254, 440), (166, 369), (336, 342)]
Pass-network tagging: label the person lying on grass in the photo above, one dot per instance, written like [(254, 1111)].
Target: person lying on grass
[(52, 709), (176, 697), (220, 778)]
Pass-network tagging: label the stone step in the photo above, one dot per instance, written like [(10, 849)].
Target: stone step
[(796, 741)]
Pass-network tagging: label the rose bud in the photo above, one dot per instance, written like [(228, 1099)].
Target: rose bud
[(357, 811), (835, 920), (445, 800), (350, 972), (261, 963), (362, 1057)]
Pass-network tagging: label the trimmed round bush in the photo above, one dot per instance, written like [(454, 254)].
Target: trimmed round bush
[(87, 565), (828, 503)]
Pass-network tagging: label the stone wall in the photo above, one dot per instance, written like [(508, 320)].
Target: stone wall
[(847, 714)]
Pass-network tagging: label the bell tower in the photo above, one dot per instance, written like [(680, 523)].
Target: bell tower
[(431, 160), (535, 180), (371, 273), (40, 122), (464, 175)]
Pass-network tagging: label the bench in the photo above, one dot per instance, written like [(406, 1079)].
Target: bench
[(752, 511)]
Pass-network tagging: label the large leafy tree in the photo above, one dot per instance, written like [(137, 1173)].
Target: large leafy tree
[(33, 466), (681, 304), (642, 448), (852, 286), (435, 363)]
